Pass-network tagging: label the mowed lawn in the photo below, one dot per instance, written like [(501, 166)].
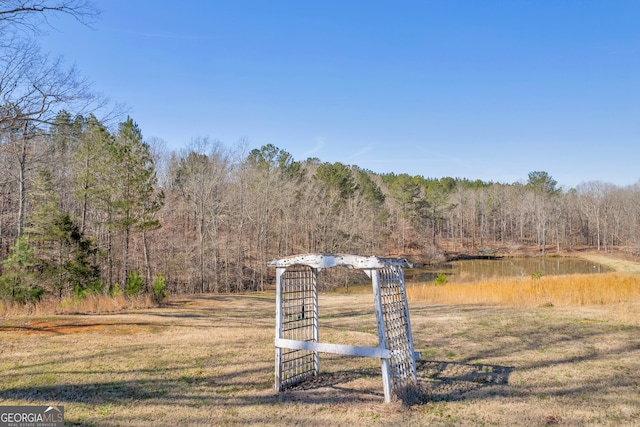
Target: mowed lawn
[(209, 360)]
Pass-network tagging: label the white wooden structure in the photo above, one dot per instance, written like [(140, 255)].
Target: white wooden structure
[(297, 339)]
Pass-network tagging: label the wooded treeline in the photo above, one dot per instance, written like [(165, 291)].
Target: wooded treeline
[(83, 207)]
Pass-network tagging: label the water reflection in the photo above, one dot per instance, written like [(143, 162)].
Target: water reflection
[(481, 269)]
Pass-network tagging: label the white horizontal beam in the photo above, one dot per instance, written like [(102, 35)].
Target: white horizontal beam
[(350, 350), (333, 260)]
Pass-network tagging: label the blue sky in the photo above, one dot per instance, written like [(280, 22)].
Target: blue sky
[(487, 90)]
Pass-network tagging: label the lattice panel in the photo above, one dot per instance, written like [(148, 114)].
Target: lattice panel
[(296, 341), (395, 314), (299, 308)]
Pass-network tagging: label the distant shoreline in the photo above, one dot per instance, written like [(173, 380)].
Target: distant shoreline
[(619, 265)]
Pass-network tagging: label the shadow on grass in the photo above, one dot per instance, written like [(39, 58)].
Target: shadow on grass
[(184, 391), (437, 381), (446, 381)]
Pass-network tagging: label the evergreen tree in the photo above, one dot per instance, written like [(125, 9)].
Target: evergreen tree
[(135, 199), (338, 179), (66, 259), (405, 190), (18, 281), (270, 158), (433, 203)]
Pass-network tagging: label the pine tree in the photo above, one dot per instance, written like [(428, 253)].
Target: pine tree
[(66, 258), (17, 282), (135, 199)]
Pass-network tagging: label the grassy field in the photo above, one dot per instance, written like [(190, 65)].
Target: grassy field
[(208, 360)]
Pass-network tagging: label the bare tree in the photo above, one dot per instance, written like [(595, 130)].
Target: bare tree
[(21, 147), (34, 88), (32, 15), (33, 85), (200, 177)]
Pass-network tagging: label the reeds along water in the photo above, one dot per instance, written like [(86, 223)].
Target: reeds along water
[(566, 290)]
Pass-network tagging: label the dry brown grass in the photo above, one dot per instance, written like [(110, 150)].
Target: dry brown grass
[(208, 360), (615, 295), (88, 305), (524, 292)]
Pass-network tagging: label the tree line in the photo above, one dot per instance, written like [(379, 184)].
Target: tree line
[(85, 209), (91, 207)]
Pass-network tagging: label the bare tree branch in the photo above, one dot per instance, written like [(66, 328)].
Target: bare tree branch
[(30, 15), (34, 87)]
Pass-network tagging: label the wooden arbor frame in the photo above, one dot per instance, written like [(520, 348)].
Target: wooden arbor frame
[(296, 338)]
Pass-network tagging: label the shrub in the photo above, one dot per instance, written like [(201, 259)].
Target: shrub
[(440, 279), (135, 283), (159, 290), (114, 290), (95, 287)]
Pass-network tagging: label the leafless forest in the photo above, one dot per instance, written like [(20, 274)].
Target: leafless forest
[(83, 207)]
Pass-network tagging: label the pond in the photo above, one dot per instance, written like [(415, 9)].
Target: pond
[(481, 269)]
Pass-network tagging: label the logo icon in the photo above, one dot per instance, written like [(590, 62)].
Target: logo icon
[(32, 416)]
